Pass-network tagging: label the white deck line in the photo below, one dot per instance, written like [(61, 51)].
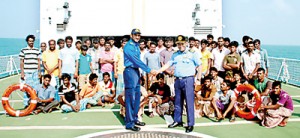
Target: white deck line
[(8, 77), (146, 129), (107, 110), (122, 127)]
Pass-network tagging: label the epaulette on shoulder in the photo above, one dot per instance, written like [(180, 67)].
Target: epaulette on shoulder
[(176, 51), (131, 43)]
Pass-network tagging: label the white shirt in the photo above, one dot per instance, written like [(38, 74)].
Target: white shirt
[(218, 82), (224, 99), (241, 49), (95, 53), (219, 56), (158, 50), (249, 62), (68, 57)]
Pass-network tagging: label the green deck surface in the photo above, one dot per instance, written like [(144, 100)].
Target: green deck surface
[(71, 122)]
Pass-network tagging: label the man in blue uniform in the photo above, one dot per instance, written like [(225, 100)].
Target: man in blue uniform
[(185, 62), (131, 74)]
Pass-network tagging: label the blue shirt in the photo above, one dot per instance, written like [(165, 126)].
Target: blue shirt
[(47, 93), (264, 61), (152, 60), (132, 56), (84, 64), (185, 63)]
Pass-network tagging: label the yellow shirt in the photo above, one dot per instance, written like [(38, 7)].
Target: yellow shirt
[(119, 58), (51, 59), (205, 56), (89, 91)]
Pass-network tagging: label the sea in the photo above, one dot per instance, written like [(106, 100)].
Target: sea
[(12, 46)]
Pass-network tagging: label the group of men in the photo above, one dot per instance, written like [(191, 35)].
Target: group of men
[(76, 78)]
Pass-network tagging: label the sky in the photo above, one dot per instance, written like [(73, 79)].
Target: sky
[(274, 22)]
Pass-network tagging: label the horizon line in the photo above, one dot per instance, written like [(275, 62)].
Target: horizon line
[(262, 44)]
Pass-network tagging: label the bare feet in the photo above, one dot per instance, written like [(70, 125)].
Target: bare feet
[(36, 111), (88, 106), (100, 104)]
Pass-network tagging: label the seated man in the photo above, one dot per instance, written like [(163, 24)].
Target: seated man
[(279, 111), (159, 96), (238, 80), (204, 96), (216, 80), (107, 89), (69, 95), (45, 93), (90, 92), (242, 97), (224, 101), (261, 83)]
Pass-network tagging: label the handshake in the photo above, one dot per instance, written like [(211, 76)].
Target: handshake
[(154, 72)]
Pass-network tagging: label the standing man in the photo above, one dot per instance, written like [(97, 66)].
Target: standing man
[(68, 60), (101, 43), (132, 63), (119, 68), (250, 62), (43, 48), (94, 52), (111, 40), (151, 59), (50, 62), (29, 65), (232, 61), (60, 43), (185, 62), (243, 46), (144, 50), (206, 58), (264, 60), (160, 45), (106, 60), (165, 56), (218, 56)]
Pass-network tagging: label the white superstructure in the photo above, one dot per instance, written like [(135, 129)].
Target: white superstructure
[(84, 18)]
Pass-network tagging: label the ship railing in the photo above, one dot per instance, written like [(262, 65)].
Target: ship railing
[(9, 65), (283, 69)]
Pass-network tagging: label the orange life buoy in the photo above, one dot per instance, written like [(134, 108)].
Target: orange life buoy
[(24, 112), (252, 113)]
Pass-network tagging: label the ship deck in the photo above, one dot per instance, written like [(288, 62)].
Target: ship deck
[(98, 119)]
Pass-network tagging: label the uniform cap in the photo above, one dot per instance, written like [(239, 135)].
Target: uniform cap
[(180, 39), (135, 31)]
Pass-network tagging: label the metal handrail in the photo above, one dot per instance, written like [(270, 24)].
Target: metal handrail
[(284, 69)]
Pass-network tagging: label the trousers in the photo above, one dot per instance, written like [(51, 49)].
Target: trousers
[(184, 91), (132, 95)]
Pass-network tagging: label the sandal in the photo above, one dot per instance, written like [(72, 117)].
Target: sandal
[(219, 119), (232, 119)]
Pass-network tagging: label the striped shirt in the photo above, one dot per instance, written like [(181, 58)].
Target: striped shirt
[(30, 56), (69, 93)]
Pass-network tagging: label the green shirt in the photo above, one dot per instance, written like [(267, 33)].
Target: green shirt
[(260, 86)]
